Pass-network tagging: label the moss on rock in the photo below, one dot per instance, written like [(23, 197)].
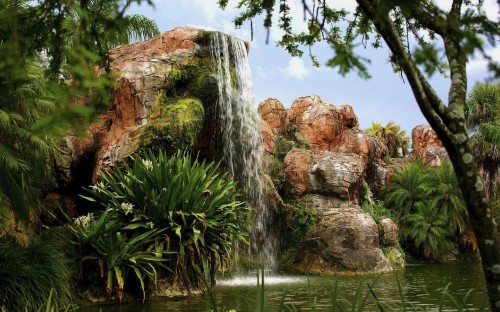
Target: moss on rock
[(177, 124)]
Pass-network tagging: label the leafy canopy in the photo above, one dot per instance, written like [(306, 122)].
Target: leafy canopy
[(49, 51)]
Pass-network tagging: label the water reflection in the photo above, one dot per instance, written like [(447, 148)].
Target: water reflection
[(422, 286)]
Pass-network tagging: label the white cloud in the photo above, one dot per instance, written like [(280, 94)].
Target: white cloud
[(261, 73), (480, 64), (296, 68)]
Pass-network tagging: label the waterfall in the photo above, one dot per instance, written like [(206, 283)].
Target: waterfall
[(241, 139)]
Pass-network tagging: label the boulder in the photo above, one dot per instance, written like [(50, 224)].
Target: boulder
[(368, 146), (324, 126), (332, 174), (268, 138), (389, 231), (343, 240), (274, 114), (299, 106), (427, 146), (154, 105), (320, 125)]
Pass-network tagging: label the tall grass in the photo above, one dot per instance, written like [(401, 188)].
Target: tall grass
[(31, 274)]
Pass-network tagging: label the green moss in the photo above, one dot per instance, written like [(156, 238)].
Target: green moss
[(194, 79), (177, 124)]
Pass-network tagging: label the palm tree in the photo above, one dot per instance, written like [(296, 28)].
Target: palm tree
[(394, 138), (24, 155), (483, 120), (407, 188), (445, 197), (429, 230)]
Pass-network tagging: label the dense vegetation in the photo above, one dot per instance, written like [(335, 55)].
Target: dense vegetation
[(30, 274), (170, 213)]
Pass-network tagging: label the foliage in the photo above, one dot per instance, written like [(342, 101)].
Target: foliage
[(393, 137), (482, 110), (430, 230), (377, 210), (422, 38), (430, 208), (191, 205), (24, 155), (406, 189), (47, 53), (302, 220), (30, 274), (365, 194), (276, 173), (116, 250)]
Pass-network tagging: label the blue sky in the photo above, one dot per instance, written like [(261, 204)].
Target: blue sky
[(384, 97)]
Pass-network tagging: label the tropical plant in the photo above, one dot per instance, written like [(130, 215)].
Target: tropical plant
[(116, 250), (30, 273), (39, 41), (24, 155), (482, 110), (189, 199), (394, 138), (444, 196), (423, 38), (302, 220), (407, 188), (429, 230)]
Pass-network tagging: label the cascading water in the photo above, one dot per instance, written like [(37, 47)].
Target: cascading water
[(241, 140)]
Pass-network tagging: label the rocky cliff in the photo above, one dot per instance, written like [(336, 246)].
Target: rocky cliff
[(324, 158)]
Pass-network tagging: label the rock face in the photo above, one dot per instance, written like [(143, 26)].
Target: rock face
[(153, 104), (326, 174), (389, 231), (274, 114), (345, 239), (336, 175), (427, 146)]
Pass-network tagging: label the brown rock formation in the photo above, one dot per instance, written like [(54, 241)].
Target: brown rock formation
[(332, 174), (427, 146), (389, 231), (345, 239), (274, 113), (268, 139), (299, 106), (137, 114)]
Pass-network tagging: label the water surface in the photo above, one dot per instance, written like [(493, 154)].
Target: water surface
[(422, 286)]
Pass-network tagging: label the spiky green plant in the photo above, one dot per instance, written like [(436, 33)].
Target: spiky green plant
[(445, 197), (430, 230), (394, 138), (406, 189), (482, 110), (189, 199), (116, 251), (30, 273)]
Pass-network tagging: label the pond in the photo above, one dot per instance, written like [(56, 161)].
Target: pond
[(422, 286)]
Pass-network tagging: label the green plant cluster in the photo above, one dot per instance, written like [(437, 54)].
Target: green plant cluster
[(429, 207), (302, 220), (31, 273), (175, 214)]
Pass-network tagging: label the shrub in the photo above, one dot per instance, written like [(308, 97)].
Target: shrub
[(30, 274), (377, 210), (430, 208), (189, 202), (302, 220)]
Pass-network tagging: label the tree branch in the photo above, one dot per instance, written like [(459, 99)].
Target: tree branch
[(430, 104)]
